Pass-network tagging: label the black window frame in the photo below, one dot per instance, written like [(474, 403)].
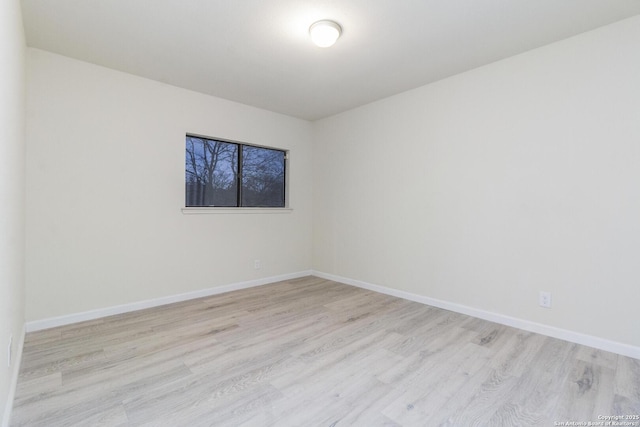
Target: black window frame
[(239, 181)]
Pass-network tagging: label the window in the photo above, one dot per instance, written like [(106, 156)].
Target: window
[(228, 174)]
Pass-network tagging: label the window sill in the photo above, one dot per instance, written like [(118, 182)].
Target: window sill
[(213, 210)]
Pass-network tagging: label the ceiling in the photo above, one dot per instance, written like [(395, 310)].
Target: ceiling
[(258, 52)]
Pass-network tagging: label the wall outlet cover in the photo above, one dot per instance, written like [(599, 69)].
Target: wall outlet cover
[(544, 299)]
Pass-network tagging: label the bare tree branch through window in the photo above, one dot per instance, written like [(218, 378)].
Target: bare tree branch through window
[(226, 174)]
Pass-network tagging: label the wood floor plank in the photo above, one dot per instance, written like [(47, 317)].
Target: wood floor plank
[(536, 394), (627, 387), (584, 393), (312, 352), (39, 385), (477, 402)]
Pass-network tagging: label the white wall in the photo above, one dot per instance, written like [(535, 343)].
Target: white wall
[(12, 147), (105, 187), (484, 188)]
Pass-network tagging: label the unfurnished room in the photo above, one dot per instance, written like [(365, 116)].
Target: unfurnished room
[(320, 213)]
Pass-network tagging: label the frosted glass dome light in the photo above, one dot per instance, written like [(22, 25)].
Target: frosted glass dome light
[(325, 33)]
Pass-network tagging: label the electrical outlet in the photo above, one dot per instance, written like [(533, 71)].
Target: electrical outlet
[(9, 352), (257, 264), (544, 299)]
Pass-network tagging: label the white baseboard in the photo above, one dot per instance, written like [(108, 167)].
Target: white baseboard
[(52, 322), (551, 331), (14, 381)]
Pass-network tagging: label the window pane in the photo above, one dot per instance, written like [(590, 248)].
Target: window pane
[(211, 172), (263, 176)]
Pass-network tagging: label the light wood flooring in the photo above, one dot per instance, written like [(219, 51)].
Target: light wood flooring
[(311, 352)]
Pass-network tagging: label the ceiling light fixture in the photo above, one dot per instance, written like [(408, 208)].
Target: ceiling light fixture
[(325, 33)]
